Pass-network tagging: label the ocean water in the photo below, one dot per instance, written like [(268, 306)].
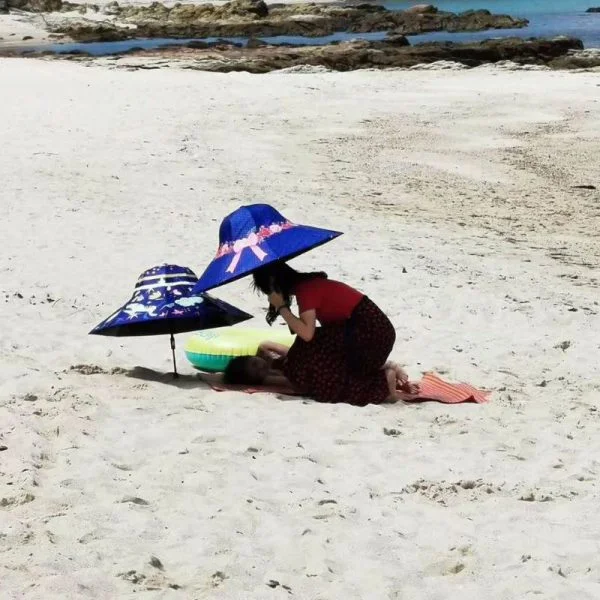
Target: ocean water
[(515, 8), (108, 48), (547, 18)]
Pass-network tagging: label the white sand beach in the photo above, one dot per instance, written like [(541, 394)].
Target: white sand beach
[(456, 192)]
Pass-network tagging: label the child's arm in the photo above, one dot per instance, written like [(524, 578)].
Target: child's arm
[(270, 348)]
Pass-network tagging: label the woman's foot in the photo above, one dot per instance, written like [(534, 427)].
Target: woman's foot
[(410, 388)]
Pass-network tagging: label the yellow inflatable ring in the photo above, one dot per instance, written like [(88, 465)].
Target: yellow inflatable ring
[(212, 349)]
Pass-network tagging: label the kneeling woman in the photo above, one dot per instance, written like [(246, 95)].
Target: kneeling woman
[(273, 365), (337, 360)]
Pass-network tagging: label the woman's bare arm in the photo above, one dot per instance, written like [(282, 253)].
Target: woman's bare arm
[(303, 326)]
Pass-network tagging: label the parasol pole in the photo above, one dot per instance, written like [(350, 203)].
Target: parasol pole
[(175, 373)]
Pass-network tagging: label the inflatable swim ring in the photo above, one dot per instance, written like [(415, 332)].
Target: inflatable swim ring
[(212, 349)]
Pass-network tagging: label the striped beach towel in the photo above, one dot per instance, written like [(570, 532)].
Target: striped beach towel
[(431, 387)]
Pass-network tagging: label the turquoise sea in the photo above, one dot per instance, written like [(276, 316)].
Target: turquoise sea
[(547, 18)]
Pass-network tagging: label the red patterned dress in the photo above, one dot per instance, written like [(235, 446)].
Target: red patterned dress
[(343, 362)]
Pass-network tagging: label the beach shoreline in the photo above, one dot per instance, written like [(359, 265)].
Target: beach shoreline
[(251, 37)]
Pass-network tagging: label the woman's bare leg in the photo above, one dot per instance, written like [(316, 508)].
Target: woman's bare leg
[(390, 375), (402, 382), (395, 394)]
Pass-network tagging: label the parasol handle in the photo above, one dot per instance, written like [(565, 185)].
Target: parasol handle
[(175, 373)]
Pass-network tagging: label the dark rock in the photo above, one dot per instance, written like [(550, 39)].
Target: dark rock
[(41, 6), (100, 32), (82, 53), (257, 7), (36, 5), (593, 9), (422, 9), (3, 6), (197, 44), (112, 8), (366, 6), (479, 11), (578, 59), (225, 44), (397, 40), (256, 43)]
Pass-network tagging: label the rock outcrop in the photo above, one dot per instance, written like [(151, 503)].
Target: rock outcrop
[(361, 54), (40, 6), (578, 59), (593, 9), (422, 9), (253, 18)]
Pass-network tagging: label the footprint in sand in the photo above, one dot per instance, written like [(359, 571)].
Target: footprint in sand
[(91, 536), (445, 493), (88, 369), (84, 369), (217, 578), (154, 581), (446, 568), (12, 501), (134, 500)]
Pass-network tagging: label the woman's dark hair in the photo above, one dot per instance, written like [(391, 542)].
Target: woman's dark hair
[(236, 372), (280, 277)]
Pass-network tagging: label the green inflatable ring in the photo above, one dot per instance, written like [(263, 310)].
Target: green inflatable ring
[(211, 350)]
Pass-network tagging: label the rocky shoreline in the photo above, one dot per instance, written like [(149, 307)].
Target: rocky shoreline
[(252, 18), (395, 52)]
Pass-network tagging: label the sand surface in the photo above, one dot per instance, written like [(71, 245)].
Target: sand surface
[(462, 179)]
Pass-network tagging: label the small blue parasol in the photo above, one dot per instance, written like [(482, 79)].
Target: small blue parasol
[(163, 302)]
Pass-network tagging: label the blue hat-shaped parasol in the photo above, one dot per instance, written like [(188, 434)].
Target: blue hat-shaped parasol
[(254, 236), (163, 302)]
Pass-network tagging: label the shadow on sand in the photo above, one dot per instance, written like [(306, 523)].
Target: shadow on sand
[(180, 381)]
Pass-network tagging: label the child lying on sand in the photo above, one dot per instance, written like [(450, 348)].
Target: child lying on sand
[(271, 363)]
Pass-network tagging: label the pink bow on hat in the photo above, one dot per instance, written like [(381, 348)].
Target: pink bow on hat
[(239, 246)]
